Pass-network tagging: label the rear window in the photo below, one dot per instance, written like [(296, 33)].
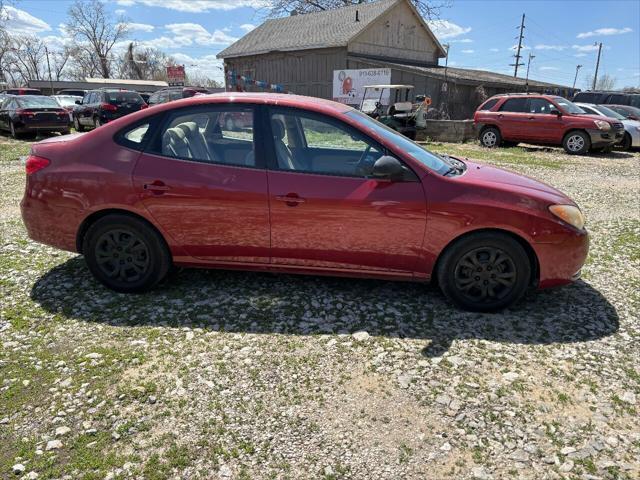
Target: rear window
[(123, 97), (488, 105), (514, 105), (37, 102)]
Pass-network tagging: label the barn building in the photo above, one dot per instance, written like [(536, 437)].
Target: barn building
[(301, 53)]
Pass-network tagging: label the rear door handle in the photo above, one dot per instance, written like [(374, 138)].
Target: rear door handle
[(291, 199)]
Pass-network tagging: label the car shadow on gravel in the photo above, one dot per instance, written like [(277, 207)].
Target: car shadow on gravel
[(304, 305)]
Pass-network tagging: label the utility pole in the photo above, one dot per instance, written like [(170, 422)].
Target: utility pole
[(595, 75), (46, 51), (445, 85), (517, 55), (578, 67), (526, 82)]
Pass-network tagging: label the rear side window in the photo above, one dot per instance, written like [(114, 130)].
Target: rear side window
[(514, 105), (488, 105), (618, 99), (115, 98), (137, 136)]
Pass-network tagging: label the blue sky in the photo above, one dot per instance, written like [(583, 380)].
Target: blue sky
[(481, 33)]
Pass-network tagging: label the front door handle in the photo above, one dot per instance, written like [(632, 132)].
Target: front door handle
[(291, 199), (156, 187)]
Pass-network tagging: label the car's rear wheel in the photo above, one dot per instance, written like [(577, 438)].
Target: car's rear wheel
[(125, 254), (96, 122), (626, 142), (484, 272), (77, 126), (576, 143), (12, 129), (490, 137)]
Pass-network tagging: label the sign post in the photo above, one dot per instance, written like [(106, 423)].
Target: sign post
[(175, 75)]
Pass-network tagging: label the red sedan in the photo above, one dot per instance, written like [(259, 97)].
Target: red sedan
[(307, 186)]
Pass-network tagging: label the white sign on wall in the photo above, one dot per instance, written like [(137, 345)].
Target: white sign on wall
[(348, 85)]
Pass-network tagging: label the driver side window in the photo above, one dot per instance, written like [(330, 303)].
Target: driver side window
[(310, 143)]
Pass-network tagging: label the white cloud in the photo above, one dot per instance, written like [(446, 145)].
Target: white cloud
[(247, 27), (585, 48), (195, 6), (120, 11), (141, 27), (558, 48), (189, 33), (603, 32), (444, 29), (207, 65), (579, 55), (548, 68), (461, 40), (468, 51), (494, 49), (20, 22)]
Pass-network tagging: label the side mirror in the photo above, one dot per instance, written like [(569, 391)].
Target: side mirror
[(555, 112), (78, 102), (388, 168)]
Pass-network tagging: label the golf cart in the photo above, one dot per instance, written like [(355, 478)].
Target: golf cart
[(397, 114)]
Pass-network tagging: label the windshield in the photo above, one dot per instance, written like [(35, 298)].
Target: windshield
[(608, 112), (123, 97), (430, 160), (67, 101), (568, 106), (37, 102)]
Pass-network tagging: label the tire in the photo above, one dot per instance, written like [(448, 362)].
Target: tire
[(77, 126), (65, 132), (626, 142), (490, 137), (496, 254), (96, 122), (576, 143), (125, 254)]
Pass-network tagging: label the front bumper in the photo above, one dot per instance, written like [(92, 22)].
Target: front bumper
[(601, 138), (561, 263)]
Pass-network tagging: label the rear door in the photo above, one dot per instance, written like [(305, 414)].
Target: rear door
[(85, 111), (513, 119), (212, 203), (326, 211)]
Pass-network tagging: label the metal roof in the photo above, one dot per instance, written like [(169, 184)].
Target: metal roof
[(329, 28), (399, 87)]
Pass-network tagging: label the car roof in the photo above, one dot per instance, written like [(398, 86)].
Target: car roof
[(280, 99)]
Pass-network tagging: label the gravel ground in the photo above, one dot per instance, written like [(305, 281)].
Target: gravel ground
[(235, 375)]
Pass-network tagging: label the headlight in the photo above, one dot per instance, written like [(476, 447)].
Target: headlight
[(602, 125), (569, 214)]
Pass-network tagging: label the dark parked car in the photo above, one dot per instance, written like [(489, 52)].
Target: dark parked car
[(145, 96), (627, 111), (22, 91), (30, 114), (102, 106), (546, 120), (174, 93), (613, 98), (311, 186)]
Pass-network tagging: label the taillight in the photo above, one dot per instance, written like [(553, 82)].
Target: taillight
[(108, 107), (63, 113), (35, 164), (143, 106), (25, 113)]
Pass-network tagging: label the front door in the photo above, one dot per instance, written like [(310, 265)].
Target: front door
[(326, 211), (545, 125), (206, 187)]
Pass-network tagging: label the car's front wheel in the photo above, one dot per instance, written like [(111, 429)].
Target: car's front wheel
[(626, 142), (125, 253), (484, 272), (576, 143), (490, 137)]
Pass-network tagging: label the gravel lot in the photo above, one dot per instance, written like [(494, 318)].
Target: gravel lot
[(237, 375)]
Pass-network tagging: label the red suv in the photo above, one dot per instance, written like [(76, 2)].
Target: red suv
[(544, 119)]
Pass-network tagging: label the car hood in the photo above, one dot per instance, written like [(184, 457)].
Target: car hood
[(489, 176)]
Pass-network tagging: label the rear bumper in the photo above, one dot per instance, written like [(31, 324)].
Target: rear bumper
[(48, 127), (52, 226), (561, 263)]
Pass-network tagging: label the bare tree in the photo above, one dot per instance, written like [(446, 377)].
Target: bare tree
[(25, 58), (145, 64), (429, 9), (202, 80), (604, 82), (94, 32)]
